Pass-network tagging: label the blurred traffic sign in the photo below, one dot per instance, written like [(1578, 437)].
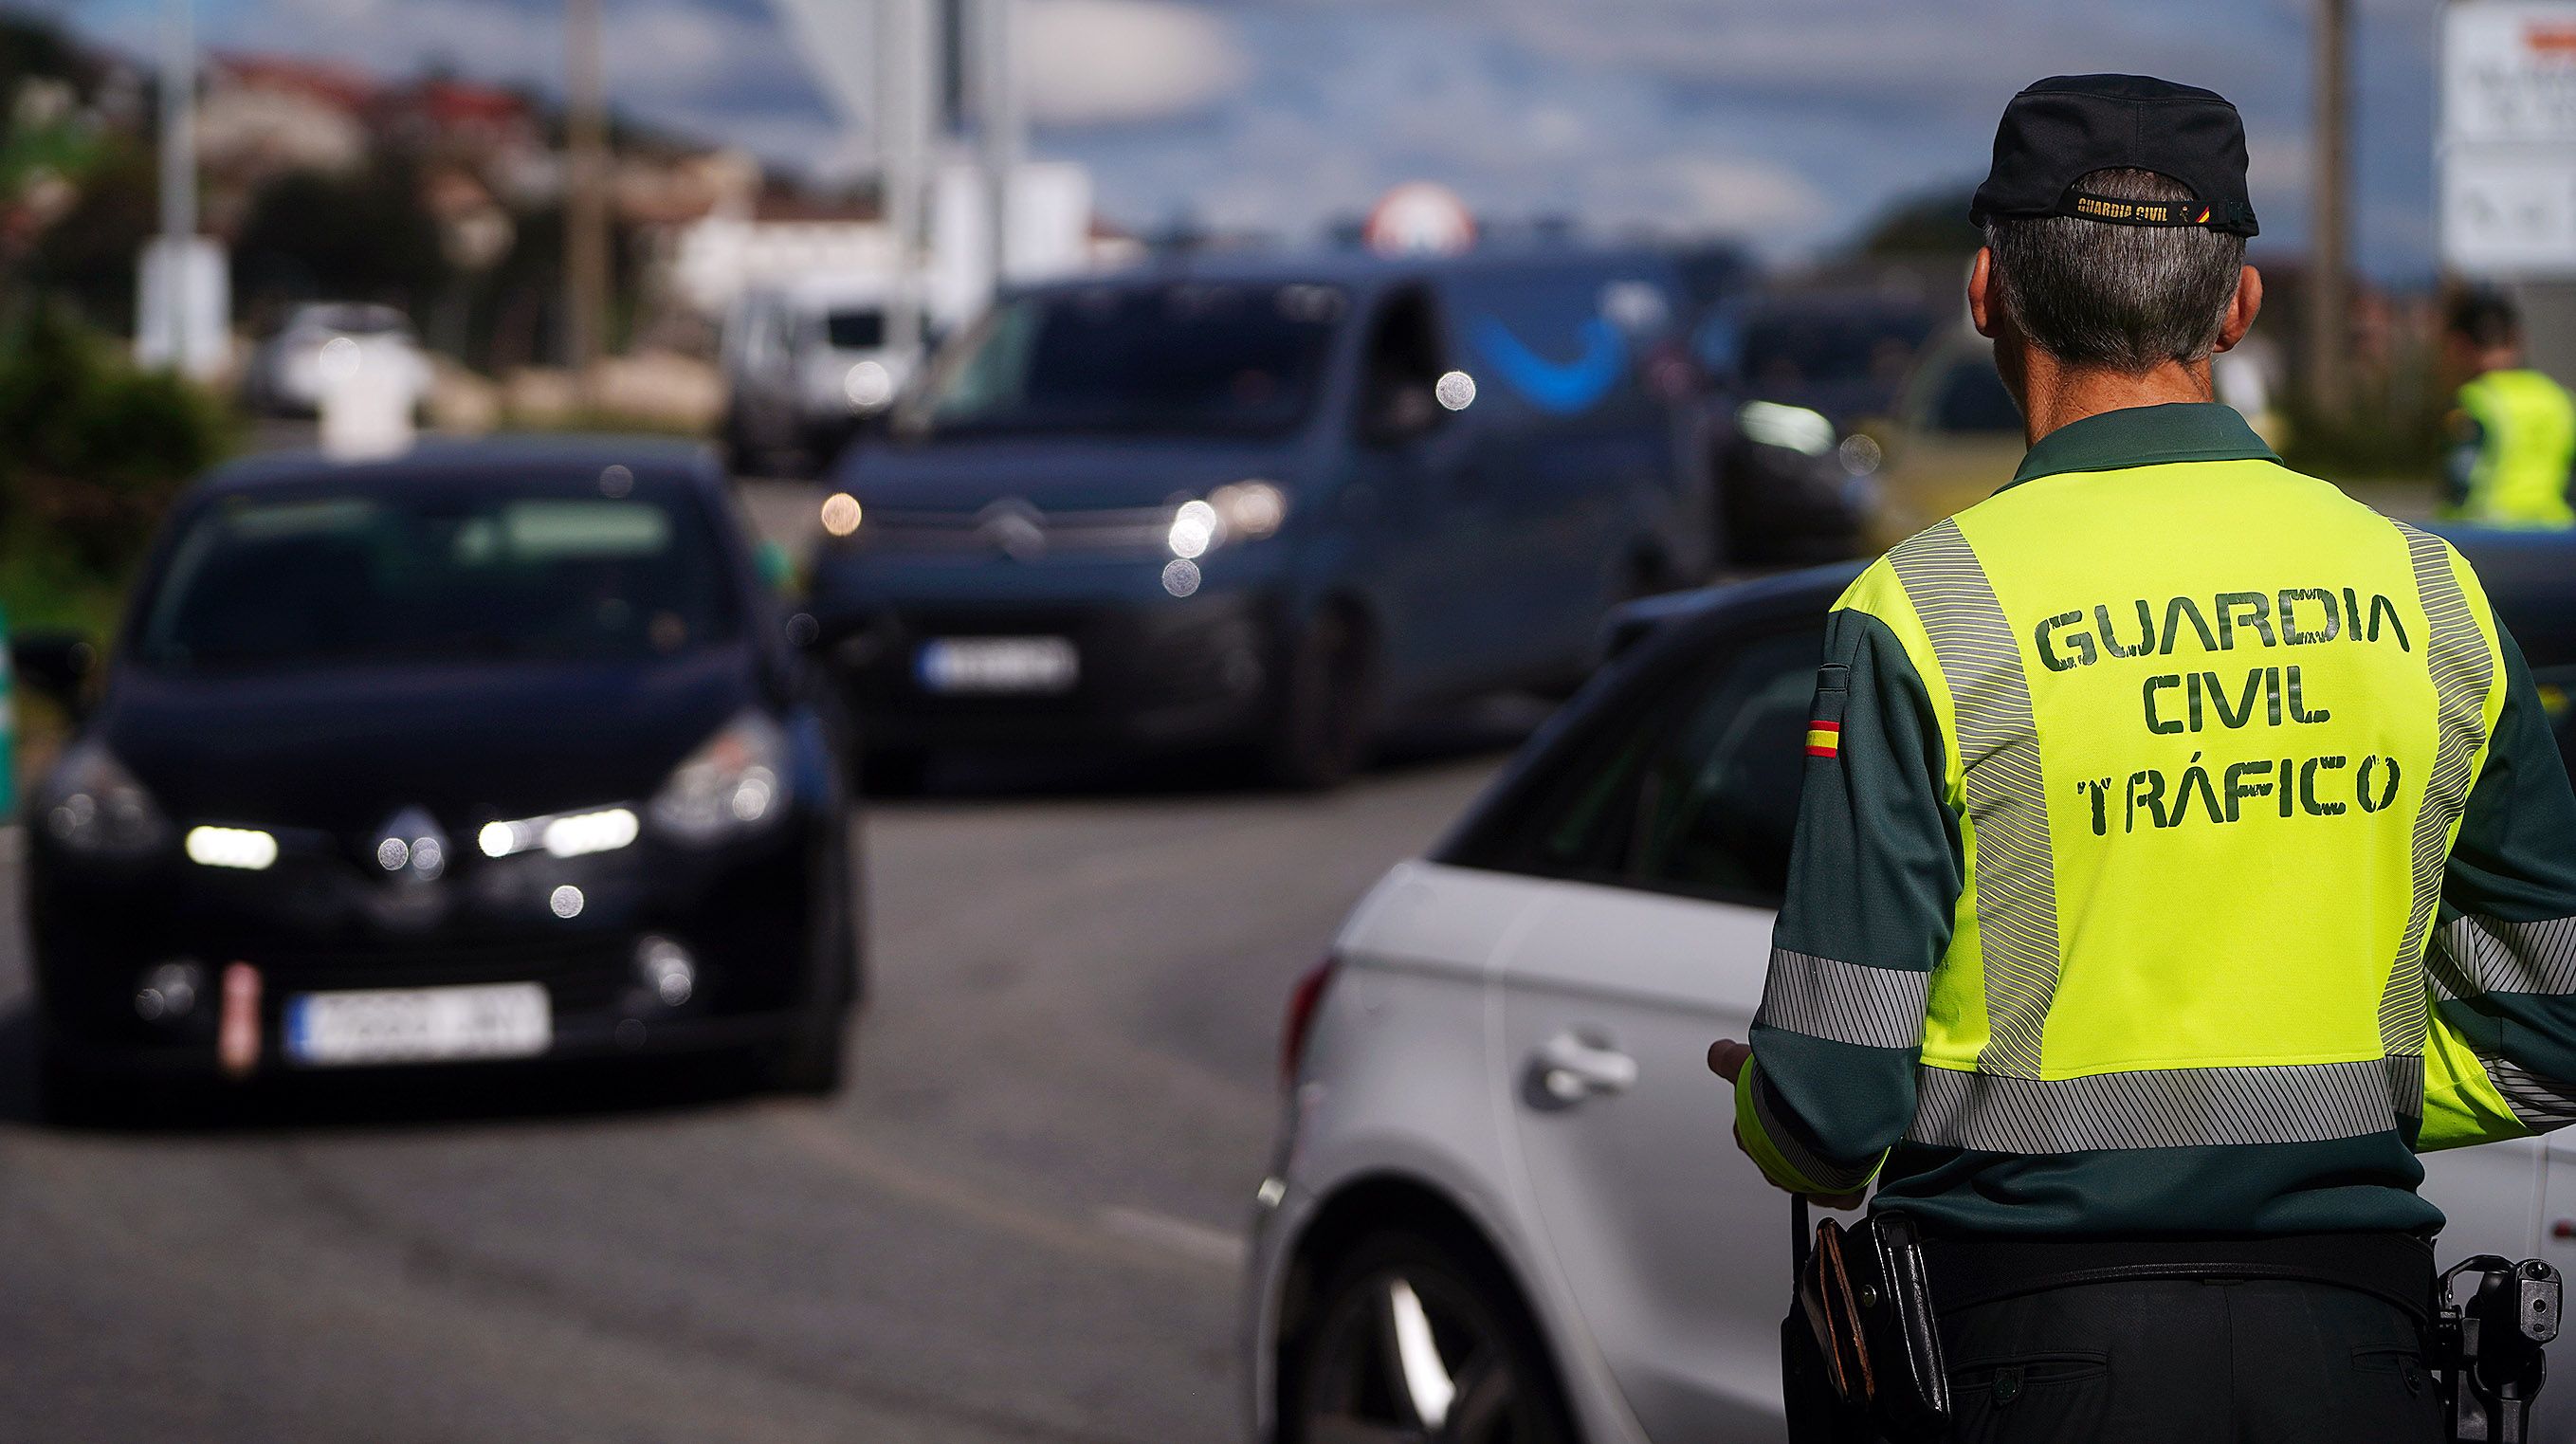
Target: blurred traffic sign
[(1420, 218), (2509, 137)]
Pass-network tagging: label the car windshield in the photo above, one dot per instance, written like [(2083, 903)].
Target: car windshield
[(854, 330), (340, 577), (1186, 357), (1790, 350)]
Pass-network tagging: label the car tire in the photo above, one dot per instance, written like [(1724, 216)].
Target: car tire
[(813, 1060), (734, 440), (1412, 1338), (71, 1096), (1326, 722)]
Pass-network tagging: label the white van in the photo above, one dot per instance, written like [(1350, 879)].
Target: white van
[(806, 364)]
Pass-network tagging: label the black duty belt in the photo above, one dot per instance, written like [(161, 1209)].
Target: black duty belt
[(1966, 1272)]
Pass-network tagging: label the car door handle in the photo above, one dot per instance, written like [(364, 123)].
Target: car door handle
[(1573, 1066)]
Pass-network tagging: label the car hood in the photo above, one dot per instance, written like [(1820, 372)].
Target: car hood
[(1054, 473), (346, 749)]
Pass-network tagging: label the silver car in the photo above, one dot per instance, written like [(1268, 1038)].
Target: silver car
[(1505, 1206)]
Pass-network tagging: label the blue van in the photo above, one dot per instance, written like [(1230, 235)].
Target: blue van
[(1274, 501)]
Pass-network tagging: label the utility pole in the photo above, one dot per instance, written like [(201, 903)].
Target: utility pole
[(179, 285), (998, 100), (585, 192), (2329, 304), (903, 99), (179, 153)]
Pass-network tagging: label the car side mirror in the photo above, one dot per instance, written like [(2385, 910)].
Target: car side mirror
[(56, 661)]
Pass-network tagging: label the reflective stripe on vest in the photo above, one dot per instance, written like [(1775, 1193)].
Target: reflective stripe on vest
[(2455, 653), (2016, 886)]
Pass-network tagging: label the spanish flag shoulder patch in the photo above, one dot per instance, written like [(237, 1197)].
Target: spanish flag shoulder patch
[(1824, 739)]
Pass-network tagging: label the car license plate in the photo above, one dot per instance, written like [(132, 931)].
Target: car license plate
[(418, 1025), (999, 664)]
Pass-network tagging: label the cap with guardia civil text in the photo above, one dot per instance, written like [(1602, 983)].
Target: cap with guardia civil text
[(2068, 126)]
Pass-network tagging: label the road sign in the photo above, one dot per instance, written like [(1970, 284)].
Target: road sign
[(2509, 138)]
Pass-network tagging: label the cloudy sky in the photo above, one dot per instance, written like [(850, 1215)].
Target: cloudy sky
[(1785, 121)]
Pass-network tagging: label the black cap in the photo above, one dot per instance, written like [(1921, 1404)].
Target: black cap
[(2068, 126)]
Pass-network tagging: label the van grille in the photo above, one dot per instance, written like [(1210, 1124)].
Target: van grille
[(1019, 531)]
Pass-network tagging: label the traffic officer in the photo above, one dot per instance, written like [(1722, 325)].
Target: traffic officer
[(2182, 847), (2515, 429)]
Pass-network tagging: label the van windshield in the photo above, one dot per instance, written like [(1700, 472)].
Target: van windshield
[(855, 330), (1189, 357)]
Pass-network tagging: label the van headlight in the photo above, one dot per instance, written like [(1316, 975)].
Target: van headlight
[(94, 807), (731, 785), (1243, 510)]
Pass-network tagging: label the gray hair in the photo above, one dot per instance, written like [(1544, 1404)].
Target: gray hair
[(2124, 298)]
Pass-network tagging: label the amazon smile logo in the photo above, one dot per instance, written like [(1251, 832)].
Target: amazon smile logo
[(1559, 387)]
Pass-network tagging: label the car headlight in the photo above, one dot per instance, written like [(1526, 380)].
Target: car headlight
[(1243, 510), (1795, 427), (95, 807), (732, 784)]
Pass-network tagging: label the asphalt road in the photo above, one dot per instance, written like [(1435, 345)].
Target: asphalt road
[(1021, 1221)]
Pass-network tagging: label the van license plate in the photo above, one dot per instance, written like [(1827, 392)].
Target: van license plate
[(418, 1025), (998, 664)]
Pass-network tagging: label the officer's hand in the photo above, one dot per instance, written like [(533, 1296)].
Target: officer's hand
[(1726, 1059)]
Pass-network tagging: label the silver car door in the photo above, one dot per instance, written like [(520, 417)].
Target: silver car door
[(1651, 942)]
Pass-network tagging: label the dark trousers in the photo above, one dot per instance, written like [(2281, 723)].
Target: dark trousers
[(2246, 1362)]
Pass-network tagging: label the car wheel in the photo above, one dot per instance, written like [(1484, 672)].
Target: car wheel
[(70, 1096), (1413, 1340), (1324, 730), (814, 1058), (741, 453)]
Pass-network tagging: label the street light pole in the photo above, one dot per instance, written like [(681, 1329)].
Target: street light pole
[(999, 129), (903, 92), (586, 192), (2329, 306), (178, 175)]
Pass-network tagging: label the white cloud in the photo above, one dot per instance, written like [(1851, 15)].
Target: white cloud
[(1789, 119), (1094, 62)]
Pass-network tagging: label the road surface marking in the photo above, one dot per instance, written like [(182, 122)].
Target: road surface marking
[(1181, 1235), (817, 1137)]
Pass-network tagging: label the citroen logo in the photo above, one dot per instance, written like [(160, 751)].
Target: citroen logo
[(412, 846), (1014, 528)]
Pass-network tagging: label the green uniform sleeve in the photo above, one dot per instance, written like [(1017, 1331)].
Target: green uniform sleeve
[(1874, 881), (2502, 960)]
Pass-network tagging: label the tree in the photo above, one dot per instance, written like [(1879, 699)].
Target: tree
[(1932, 223), (364, 236)]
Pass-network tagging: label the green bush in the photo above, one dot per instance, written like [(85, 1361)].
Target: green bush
[(92, 450)]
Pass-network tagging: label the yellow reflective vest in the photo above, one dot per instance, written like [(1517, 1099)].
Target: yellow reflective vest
[(2194, 850), (2525, 440)]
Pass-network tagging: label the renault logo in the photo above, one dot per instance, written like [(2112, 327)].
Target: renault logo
[(1014, 528), (411, 846)]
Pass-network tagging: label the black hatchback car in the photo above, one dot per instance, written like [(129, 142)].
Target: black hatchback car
[(492, 751)]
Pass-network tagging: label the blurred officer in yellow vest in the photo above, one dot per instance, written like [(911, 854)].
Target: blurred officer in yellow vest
[(2515, 428)]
